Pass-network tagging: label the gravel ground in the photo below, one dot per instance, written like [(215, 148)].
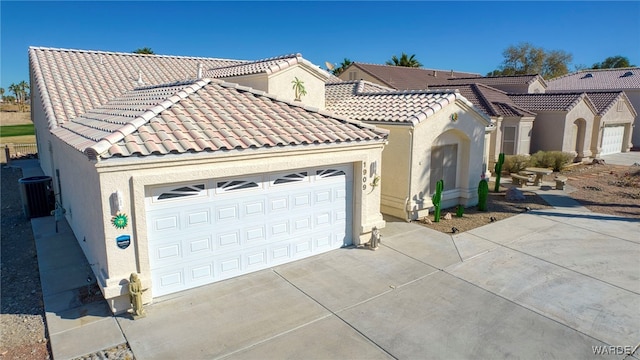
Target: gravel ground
[(23, 333), (22, 310)]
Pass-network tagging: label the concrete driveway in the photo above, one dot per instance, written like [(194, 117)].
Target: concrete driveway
[(546, 284)]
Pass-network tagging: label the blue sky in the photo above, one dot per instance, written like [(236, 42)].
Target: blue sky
[(464, 36)]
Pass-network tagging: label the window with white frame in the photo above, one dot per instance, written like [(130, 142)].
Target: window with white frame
[(509, 140)]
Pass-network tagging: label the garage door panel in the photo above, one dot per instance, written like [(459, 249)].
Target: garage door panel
[(228, 241), (247, 225), (166, 223), (612, 138), (199, 217), (254, 208)]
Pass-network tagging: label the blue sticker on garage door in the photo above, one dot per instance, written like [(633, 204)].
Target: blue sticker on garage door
[(123, 241)]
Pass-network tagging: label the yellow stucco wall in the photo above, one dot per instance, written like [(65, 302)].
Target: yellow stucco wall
[(407, 157)]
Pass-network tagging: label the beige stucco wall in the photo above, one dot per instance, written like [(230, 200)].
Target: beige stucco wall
[(402, 180), (548, 131), (43, 136), (536, 87), (613, 117), (279, 84), (580, 111), (634, 98), (132, 176), (552, 131)]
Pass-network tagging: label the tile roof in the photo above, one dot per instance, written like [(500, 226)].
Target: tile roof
[(74, 81), (605, 100), (499, 80), (600, 79), (267, 66), (406, 78), (492, 101), (204, 115), (365, 101), (550, 101)]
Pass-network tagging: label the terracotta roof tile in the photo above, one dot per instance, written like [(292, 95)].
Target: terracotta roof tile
[(492, 101), (351, 99), (498, 80), (79, 80), (209, 115), (550, 101), (601, 79)]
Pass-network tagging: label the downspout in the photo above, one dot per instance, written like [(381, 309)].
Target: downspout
[(407, 204)]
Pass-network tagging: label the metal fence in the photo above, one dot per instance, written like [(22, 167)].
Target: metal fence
[(17, 151)]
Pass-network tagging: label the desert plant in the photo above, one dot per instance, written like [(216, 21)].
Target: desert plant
[(459, 211), (483, 193), (516, 163), (556, 160), (498, 169), (437, 200)]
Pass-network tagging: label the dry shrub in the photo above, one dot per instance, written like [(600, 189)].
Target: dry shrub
[(515, 163), (557, 160)]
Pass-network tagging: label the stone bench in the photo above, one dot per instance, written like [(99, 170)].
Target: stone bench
[(519, 180), (561, 181)]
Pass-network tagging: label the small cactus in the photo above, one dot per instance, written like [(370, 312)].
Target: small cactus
[(498, 169), (459, 211), (437, 199), (483, 192)]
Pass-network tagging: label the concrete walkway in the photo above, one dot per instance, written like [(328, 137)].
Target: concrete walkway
[(544, 284)]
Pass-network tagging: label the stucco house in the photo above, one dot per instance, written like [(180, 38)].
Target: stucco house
[(400, 77), (574, 122), (622, 79), (191, 170), (433, 135), (513, 124)]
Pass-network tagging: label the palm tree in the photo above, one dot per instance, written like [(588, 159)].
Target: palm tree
[(340, 69), (23, 92), (2, 93), (144, 51), (15, 90), (298, 87), (405, 60)]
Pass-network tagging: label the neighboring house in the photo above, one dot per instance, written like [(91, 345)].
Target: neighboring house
[(434, 135), (400, 77), (622, 79), (527, 84), (216, 179), (513, 124), (574, 122)]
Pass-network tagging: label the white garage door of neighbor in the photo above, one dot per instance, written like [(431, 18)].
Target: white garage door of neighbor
[(612, 139), (205, 231)]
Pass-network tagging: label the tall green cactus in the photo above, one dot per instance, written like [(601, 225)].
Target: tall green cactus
[(483, 192), (437, 199), (498, 169)]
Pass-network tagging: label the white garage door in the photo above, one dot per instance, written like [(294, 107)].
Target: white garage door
[(612, 139), (205, 231)]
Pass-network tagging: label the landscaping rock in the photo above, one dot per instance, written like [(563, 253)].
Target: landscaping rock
[(514, 194)]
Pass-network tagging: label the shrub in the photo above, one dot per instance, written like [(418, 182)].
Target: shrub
[(515, 163), (556, 160)]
